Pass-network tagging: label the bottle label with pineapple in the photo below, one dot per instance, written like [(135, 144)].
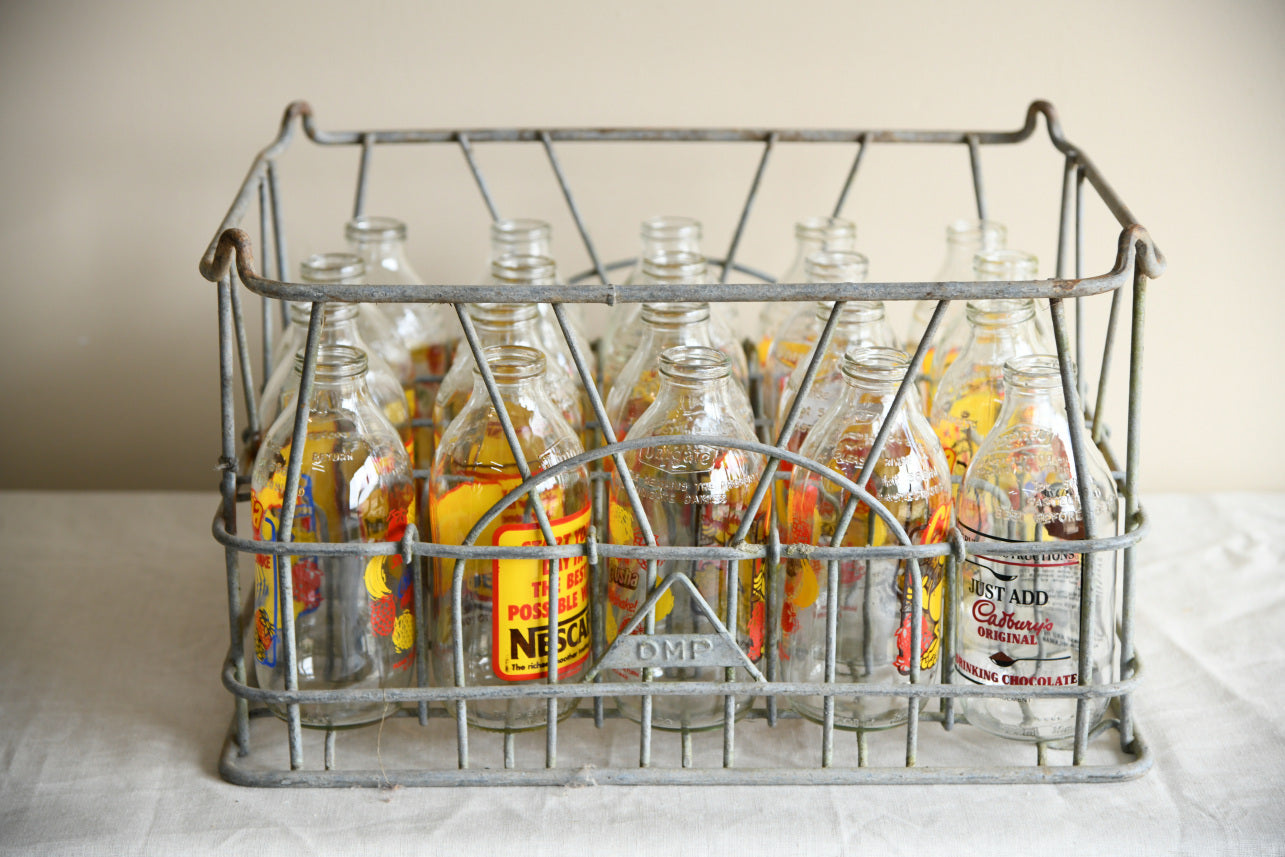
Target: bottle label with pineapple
[(521, 602)]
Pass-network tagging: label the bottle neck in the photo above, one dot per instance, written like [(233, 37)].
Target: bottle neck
[(520, 238), (1033, 393), (663, 235), (1002, 325), (669, 325)]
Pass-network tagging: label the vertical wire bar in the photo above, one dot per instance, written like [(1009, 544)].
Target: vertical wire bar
[(916, 649), (852, 175), (266, 304), (409, 537), (228, 488), (1064, 215), (649, 626), (731, 587), (863, 747), (551, 704), (975, 164), (773, 560), (253, 429), (467, 149), (510, 756), (1133, 446), (572, 207), (948, 640), (1079, 262), (745, 209), (831, 654), (1075, 413), (598, 593), (285, 583), (363, 175), (686, 748), (328, 758), (278, 233)]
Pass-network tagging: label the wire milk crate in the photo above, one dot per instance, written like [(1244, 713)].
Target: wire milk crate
[(429, 741)]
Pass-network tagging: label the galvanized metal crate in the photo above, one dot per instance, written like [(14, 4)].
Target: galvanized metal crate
[(412, 748)]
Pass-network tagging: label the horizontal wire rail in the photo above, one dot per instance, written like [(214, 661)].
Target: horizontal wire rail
[(229, 258)]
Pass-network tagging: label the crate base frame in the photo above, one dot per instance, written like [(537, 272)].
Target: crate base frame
[(229, 257)]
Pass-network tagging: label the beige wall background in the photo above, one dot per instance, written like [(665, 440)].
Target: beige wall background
[(128, 127)]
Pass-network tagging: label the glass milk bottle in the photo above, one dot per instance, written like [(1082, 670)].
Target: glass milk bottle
[(676, 269), (354, 622), (812, 235), (505, 606), (338, 327), (964, 240), (665, 326), (970, 394), (872, 597), (429, 331), (693, 496), (1019, 615)]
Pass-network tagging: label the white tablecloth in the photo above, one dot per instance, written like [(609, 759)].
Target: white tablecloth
[(112, 718)]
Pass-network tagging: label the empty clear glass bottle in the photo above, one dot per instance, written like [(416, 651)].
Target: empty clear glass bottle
[(679, 268), (664, 326), (1019, 616), (874, 597), (812, 235), (504, 605), (693, 496), (660, 236), (338, 327), (964, 240), (501, 324), (429, 331), (353, 616), (861, 324), (376, 329), (795, 337), (971, 392), (527, 237), (517, 270)]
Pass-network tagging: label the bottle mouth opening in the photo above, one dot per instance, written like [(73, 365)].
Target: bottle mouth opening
[(1005, 265), (669, 227), (675, 313), (837, 266), (300, 312), (335, 362), (825, 229), (511, 363), (983, 234), (1034, 370), (678, 267), (517, 269), (997, 312), (853, 312), (694, 363), (517, 229), (364, 229), (332, 268), (876, 364), (496, 314)]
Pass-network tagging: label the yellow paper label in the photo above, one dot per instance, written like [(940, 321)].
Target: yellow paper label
[(455, 513), (521, 605)]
